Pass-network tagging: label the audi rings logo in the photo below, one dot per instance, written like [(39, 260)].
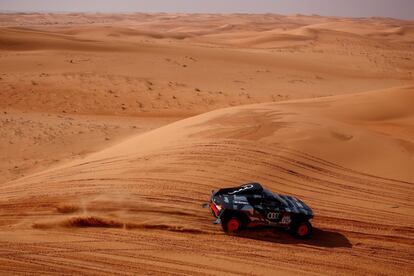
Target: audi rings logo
[(272, 215)]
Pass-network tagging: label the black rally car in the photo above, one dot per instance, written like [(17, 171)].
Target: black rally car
[(250, 205)]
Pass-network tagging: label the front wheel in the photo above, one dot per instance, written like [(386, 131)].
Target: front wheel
[(231, 225), (301, 230)]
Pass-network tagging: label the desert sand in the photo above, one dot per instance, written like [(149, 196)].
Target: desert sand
[(114, 129)]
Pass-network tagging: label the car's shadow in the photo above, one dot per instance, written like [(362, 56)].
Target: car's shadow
[(319, 238)]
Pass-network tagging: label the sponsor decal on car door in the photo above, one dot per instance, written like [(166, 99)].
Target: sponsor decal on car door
[(273, 216)]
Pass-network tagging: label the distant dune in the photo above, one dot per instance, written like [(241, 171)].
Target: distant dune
[(114, 129)]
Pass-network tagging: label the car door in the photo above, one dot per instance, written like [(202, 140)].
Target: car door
[(271, 209)]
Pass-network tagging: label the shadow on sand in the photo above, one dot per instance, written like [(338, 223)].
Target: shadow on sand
[(319, 238)]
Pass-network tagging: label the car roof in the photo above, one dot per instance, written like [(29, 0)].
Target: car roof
[(248, 188)]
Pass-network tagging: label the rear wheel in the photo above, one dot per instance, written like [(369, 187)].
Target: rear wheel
[(301, 230)]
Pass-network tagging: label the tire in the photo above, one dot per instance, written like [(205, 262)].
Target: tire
[(232, 224), (301, 229)]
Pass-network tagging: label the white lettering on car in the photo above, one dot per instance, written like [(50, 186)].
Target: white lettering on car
[(240, 202), (245, 187)]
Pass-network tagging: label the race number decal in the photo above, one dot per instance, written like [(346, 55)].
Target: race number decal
[(286, 219)]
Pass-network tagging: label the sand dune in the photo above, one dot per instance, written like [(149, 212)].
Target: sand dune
[(115, 128), (201, 27), (154, 184)]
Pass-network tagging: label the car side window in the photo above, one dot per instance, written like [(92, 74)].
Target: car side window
[(270, 201), (267, 199), (255, 200), (274, 204)]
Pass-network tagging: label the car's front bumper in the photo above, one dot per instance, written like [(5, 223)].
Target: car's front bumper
[(214, 209)]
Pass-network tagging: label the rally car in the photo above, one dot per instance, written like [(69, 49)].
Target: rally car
[(251, 205)]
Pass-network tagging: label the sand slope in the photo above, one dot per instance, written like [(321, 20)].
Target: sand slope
[(153, 185), (179, 65)]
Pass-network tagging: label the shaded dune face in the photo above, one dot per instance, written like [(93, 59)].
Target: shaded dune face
[(155, 183)]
